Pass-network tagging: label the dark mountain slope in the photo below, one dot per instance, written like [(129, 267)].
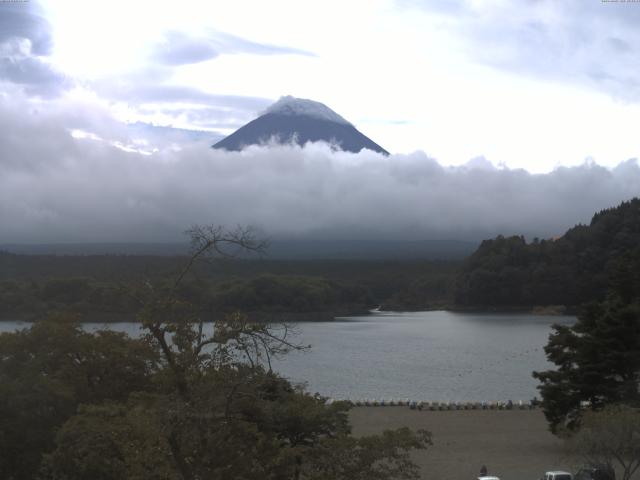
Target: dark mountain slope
[(296, 120), (298, 129)]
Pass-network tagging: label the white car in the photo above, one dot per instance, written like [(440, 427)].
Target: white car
[(488, 477), (557, 475)]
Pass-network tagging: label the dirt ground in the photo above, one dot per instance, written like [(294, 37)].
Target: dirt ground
[(513, 444)]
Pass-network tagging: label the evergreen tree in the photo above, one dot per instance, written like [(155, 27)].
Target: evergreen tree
[(598, 358)]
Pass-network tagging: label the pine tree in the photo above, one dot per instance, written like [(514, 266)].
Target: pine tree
[(598, 358)]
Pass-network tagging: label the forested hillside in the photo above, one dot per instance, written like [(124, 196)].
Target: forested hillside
[(570, 270)]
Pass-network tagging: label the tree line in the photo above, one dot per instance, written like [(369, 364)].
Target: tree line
[(264, 293), (98, 286)]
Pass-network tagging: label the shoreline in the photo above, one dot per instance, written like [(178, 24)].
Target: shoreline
[(551, 310), (506, 405), (311, 317), (257, 316)]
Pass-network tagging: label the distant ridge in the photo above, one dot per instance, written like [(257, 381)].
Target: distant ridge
[(297, 120)]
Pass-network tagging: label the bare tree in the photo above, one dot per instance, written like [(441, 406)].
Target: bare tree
[(214, 241), (177, 326)]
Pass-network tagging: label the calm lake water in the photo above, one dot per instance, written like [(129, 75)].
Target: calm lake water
[(431, 356)]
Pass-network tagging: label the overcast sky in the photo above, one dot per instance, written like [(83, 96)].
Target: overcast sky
[(504, 116)]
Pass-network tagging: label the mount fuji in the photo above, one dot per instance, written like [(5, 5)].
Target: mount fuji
[(297, 120)]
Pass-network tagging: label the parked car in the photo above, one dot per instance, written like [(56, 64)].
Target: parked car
[(557, 475), (596, 472), (488, 477)]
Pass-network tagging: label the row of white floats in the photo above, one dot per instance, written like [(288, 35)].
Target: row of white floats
[(508, 405)]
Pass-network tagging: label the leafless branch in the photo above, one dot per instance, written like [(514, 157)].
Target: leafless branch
[(214, 240)]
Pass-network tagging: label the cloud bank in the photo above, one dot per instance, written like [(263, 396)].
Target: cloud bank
[(55, 187)]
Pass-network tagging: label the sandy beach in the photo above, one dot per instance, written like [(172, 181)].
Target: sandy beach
[(513, 444)]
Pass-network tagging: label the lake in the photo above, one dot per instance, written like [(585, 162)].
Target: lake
[(430, 356)]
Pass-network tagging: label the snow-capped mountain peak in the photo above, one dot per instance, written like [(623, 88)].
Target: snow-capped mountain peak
[(289, 105), (299, 121)]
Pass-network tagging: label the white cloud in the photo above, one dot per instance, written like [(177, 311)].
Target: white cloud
[(57, 188), (589, 43), (532, 84), (179, 48)]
